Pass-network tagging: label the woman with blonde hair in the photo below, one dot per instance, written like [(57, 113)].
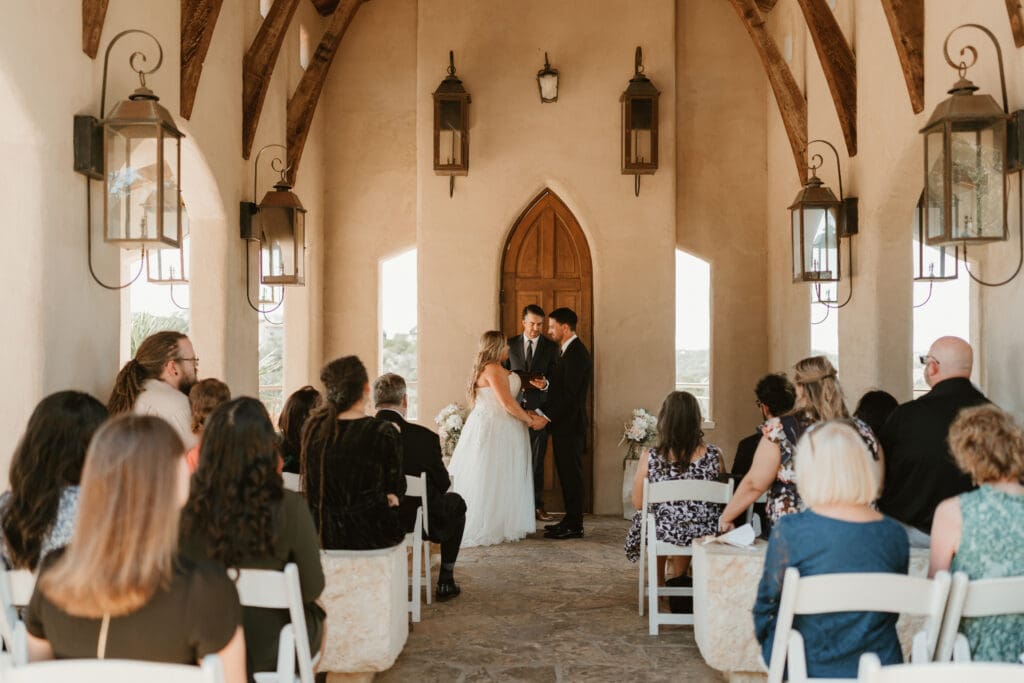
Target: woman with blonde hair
[(981, 532), (120, 590), (818, 398), (491, 463), (838, 532)]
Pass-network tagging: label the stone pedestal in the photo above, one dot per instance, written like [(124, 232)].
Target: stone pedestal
[(629, 467), (725, 586), (366, 599)]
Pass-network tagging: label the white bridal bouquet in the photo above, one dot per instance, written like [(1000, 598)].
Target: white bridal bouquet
[(639, 432), (449, 423)]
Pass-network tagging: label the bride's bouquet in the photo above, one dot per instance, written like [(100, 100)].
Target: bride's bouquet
[(449, 423), (639, 432)]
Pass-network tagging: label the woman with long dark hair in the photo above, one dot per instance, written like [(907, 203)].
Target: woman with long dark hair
[(239, 514), (39, 511), (293, 418), (352, 464), (680, 453)]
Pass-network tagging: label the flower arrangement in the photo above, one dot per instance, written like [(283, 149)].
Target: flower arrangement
[(449, 423), (639, 432)]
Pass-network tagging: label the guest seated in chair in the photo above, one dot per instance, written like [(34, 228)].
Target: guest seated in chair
[(240, 515), (421, 452), (981, 532), (204, 396), (293, 417), (838, 532), (38, 513), (352, 465), (818, 398), (121, 590), (874, 408), (680, 453)]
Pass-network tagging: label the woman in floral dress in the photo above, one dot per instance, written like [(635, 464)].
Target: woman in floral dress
[(680, 453), (818, 398)]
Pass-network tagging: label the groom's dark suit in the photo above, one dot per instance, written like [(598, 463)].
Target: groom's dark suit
[(566, 407), (545, 355)]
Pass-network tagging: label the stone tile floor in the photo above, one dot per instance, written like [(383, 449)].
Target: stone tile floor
[(543, 610)]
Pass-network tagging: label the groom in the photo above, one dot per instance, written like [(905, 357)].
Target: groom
[(533, 353), (566, 412)]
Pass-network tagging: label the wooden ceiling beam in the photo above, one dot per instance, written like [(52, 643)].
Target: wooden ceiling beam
[(838, 63), (302, 103), (1016, 24), (791, 102), (198, 19), (906, 22), (325, 7), (94, 12), (258, 67)]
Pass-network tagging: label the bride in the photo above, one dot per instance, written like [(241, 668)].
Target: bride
[(491, 463)]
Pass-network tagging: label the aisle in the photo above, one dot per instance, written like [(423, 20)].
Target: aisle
[(543, 610)]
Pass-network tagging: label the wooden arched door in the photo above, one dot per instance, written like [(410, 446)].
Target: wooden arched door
[(547, 262)]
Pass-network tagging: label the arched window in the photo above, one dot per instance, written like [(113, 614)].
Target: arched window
[(271, 350), (940, 309), (398, 322), (147, 307), (693, 328)]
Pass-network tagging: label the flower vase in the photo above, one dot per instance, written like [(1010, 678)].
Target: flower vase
[(629, 466)]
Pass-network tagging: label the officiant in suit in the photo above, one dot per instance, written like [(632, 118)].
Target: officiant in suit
[(531, 352), (421, 452), (566, 412)]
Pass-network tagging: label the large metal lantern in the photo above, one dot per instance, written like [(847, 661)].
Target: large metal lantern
[(932, 264), (639, 124), (547, 82), (451, 127), (282, 225), (965, 160)]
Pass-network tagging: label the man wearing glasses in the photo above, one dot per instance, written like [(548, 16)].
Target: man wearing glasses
[(919, 470)]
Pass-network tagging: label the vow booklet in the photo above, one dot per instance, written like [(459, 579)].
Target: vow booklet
[(740, 537)]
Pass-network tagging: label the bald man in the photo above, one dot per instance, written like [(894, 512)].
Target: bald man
[(919, 471)]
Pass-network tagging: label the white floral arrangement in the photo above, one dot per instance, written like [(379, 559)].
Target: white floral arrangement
[(450, 422), (639, 432)]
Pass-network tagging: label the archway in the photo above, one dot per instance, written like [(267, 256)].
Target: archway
[(546, 261)]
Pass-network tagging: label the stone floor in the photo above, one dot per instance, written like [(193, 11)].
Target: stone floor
[(542, 610)]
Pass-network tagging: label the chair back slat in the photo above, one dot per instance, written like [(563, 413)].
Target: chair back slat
[(292, 481), (990, 597), (262, 588), (688, 489), (114, 671), (416, 487), (871, 671), (881, 592), (22, 583)]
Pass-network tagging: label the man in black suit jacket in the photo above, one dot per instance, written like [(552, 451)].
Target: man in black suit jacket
[(566, 411), (421, 452), (531, 352)]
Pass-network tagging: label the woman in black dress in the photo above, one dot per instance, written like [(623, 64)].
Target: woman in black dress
[(352, 464), (293, 417)]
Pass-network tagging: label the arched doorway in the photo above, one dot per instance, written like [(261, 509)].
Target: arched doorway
[(547, 262)]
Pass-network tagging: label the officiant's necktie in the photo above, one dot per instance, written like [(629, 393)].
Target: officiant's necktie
[(529, 355)]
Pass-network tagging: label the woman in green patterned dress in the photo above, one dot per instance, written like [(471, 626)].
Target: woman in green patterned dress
[(981, 532)]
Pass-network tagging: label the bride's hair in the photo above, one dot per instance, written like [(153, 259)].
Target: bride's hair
[(489, 350)]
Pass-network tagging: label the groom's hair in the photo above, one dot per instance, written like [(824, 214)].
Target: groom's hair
[(389, 389), (564, 316), (533, 308)]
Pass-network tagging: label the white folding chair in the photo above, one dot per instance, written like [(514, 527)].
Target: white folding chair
[(416, 487), (980, 598), (651, 548), (872, 671), (292, 481), (280, 590), (16, 586), (111, 671), (864, 592)]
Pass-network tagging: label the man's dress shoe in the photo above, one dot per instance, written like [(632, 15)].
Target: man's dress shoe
[(553, 527), (564, 533), (446, 590)]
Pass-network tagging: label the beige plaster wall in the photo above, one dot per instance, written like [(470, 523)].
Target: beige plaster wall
[(720, 208), (66, 332), (519, 146)]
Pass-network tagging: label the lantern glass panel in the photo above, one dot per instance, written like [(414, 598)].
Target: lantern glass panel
[(931, 263), (976, 155), (935, 184), (170, 224), (281, 246), (798, 269), (548, 86), (641, 115), (129, 185), (168, 266), (450, 133), (820, 249)]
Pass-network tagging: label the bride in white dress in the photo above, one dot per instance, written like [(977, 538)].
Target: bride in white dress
[(491, 464)]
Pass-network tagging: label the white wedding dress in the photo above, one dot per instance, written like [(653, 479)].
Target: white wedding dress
[(491, 470)]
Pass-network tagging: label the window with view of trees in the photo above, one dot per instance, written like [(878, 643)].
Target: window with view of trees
[(693, 328), (398, 322), (271, 353), (150, 307)]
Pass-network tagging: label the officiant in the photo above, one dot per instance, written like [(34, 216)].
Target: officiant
[(533, 355)]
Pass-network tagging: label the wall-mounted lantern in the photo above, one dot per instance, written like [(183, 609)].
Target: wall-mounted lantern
[(278, 224), (971, 146), (818, 222), (451, 127), (547, 82), (639, 124), (136, 152)]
